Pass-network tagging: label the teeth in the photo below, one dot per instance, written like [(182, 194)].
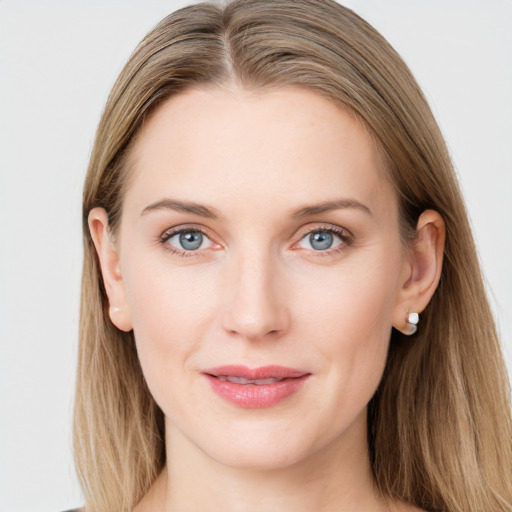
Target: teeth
[(238, 380), (243, 380), (266, 381)]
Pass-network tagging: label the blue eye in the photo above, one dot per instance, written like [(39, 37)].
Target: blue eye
[(325, 239), (186, 240), (321, 240), (191, 241)]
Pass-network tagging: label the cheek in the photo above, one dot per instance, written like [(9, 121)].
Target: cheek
[(167, 301), (348, 317), (171, 311), (355, 302)]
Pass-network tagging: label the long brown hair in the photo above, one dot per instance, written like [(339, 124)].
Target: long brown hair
[(439, 426)]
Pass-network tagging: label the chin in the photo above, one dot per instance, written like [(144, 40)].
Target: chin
[(265, 448), (258, 459)]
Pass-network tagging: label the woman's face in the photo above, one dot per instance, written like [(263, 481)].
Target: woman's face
[(261, 264)]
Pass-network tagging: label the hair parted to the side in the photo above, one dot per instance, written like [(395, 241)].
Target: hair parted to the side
[(439, 425)]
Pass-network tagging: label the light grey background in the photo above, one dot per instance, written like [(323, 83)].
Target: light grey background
[(58, 60)]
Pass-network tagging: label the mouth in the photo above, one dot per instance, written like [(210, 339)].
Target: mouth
[(255, 388)]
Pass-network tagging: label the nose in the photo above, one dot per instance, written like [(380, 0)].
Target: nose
[(256, 307)]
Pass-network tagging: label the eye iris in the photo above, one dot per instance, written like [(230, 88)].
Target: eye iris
[(321, 240), (191, 240)]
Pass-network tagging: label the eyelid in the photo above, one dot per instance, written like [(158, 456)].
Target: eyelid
[(343, 233), (184, 228)]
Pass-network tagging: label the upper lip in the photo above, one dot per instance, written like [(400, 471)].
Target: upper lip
[(263, 372)]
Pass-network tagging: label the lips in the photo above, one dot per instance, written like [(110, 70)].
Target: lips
[(255, 388)]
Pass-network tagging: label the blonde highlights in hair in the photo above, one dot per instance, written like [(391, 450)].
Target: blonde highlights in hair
[(439, 426)]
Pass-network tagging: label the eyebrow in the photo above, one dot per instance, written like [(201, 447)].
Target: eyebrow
[(337, 204), (183, 206), (212, 213)]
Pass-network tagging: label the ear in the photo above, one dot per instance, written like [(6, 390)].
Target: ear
[(422, 271), (108, 256)]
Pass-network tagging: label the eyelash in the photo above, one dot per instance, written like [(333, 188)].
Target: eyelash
[(345, 236)]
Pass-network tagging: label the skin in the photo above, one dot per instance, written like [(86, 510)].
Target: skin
[(257, 292)]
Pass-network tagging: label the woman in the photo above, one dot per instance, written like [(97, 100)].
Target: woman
[(282, 307)]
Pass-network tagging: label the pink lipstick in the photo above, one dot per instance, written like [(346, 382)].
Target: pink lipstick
[(255, 388)]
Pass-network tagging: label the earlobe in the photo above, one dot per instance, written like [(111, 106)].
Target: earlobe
[(108, 257), (424, 267)]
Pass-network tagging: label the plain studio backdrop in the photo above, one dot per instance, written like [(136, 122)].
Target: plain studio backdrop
[(58, 61)]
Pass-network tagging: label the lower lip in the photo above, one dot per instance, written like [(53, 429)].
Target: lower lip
[(254, 396)]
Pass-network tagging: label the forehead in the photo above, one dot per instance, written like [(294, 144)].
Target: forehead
[(283, 146)]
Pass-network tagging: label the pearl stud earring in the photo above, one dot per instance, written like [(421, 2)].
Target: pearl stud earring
[(412, 323)]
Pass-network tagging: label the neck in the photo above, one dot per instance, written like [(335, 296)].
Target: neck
[(337, 477)]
